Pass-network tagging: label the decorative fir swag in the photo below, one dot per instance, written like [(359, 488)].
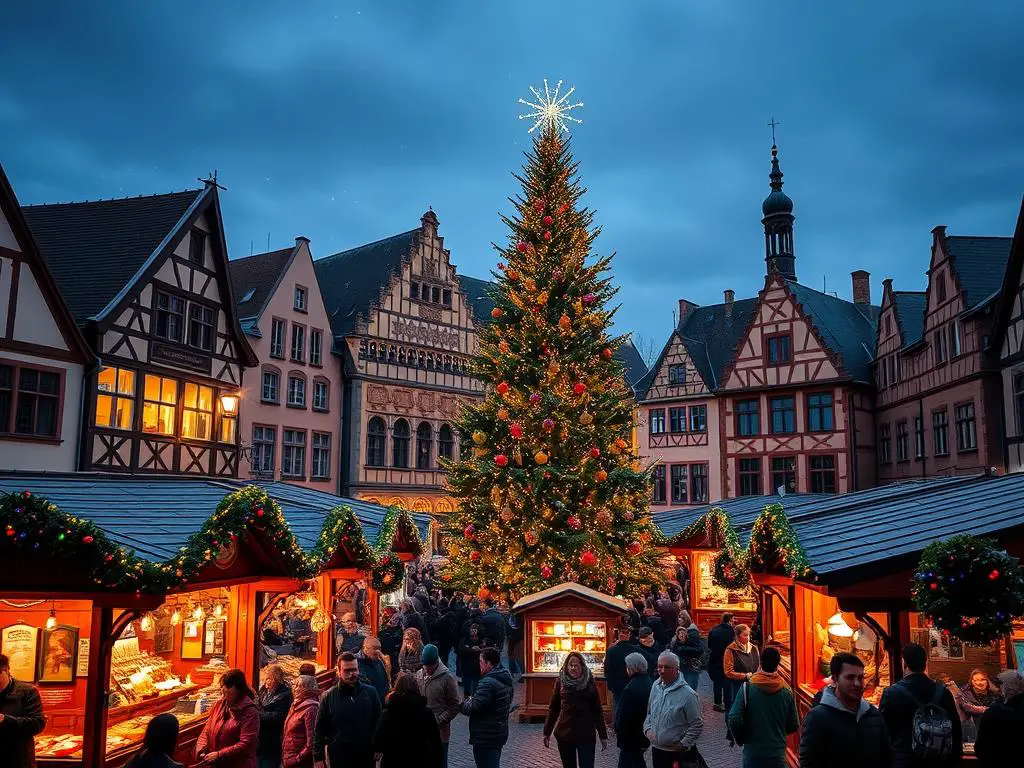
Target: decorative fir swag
[(773, 545), (341, 528), (714, 525), (970, 588), (731, 572), (387, 574)]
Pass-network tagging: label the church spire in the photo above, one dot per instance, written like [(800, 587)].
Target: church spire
[(778, 224)]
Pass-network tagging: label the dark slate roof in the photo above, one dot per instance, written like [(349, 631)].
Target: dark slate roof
[(910, 309), (980, 263), (478, 294), (155, 516), (848, 330), (351, 281), (711, 335), (629, 356), (253, 280), (742, 512), (94, 249)]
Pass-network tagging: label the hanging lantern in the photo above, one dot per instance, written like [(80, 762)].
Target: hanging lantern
[(147, 623)]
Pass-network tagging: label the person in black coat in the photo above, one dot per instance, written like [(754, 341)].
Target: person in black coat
[(274, 699), (1001, 726), (372, 669), (492, 623), (390, 637), (408, 734), (630, 713), (648, 648), (413, 620), (158, 745), (901, 701), (21, 719), (719, 639), (347, 719), (615, 674)]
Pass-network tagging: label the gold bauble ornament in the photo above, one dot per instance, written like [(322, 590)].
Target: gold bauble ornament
[(503, 414), (540, 457), (506, 514), (479, 452), (586, 418), (479, 437), (542, 298), (547, 513), (565, 323)]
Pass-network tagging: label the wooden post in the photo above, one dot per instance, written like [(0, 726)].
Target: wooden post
[(101, 643)]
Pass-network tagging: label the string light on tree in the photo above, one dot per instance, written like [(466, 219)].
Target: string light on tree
[(551, 109)]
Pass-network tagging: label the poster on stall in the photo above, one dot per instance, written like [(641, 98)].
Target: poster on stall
[(83, 658), (20, 643)]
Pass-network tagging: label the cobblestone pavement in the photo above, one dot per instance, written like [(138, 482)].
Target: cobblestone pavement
[(525, 748)]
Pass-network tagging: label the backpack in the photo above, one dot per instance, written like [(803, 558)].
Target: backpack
[(931, 734), (705, 656)]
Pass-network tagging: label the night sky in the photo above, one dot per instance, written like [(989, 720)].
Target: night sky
[(345, 120)]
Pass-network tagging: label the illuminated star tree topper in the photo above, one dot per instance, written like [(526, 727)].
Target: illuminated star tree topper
[(551, 109)]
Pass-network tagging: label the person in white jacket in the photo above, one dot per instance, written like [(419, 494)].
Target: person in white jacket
[(673, 721)]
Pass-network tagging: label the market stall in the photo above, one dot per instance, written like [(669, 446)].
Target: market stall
[(564, 618)]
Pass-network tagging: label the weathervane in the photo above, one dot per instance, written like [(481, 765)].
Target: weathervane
[(551, 109)]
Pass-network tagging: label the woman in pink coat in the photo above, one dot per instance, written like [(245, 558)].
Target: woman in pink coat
[(229, 738), (298, 726)]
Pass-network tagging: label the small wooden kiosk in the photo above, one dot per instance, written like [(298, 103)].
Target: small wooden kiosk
[(564, 618)]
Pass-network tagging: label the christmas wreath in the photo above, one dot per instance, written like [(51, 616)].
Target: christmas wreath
[(387, 574), (970, 588), (730, 572)]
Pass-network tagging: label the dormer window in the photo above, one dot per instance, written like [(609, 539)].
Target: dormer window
[(779, 349), (300, 298), (197, 247), (676, 375), (248, 296), (940, 287)]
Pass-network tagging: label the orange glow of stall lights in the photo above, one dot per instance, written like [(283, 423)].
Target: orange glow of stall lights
[(837, 626)]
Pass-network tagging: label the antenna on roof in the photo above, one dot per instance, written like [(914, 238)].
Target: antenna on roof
[(211, 180), (250, 247), (268, 242)]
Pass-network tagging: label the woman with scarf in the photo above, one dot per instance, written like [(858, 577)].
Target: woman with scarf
[(575, 715), (975, 698), (274, 699), (297, 741), (411, 651), (688, 647), (232, 730), (159, 744)]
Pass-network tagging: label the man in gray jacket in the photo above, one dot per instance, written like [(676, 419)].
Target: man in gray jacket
[(442, 693), (673, 721)]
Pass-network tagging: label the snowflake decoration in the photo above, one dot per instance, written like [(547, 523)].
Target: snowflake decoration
[(551, 109)]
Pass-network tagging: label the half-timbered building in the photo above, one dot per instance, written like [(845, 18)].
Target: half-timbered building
[(291, 410), (1008, 343), (146, 279), (938, 409), (43, 355)]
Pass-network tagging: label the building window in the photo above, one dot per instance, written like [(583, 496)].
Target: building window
[(678, 474), (376, 437), (823, 474), (698, 483), (277, 338), (296, 391), (940, 286), (414, 290), (270, 387), (919, 437), (293, 453), (940, 432), (424, 437), (446, 297), (657, 421), (676, 375), (1018, 399), (435, 294), (228, 428), (784, 473), (783, 415), (200, 327), (321, 468), (400, 444), (300, 298), (170, 317), (885, 444), (966, 436), (954, 339), (321, 395), (902, 441), (316, 347), (894, 370), (677, 419), (445, 443), (779, 349), (820, 417), (888, 325), (749, 472), (748, 417), (658, 485), (159, 404), (34, 403), (298, 343), (939, 343), (698, 418), (197, 414), (115, 398), (197, 247), (264, 441)]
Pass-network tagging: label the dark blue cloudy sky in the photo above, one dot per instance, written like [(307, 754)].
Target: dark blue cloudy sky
[(343, 120)]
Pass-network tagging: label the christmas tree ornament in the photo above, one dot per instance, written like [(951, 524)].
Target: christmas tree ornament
[(574, 522), (540, 457), (469, 531), (548, 424), (496, 313), (563, 207), (501, 460), (503, 347), (628, 515), (586, 418), (549, 220), (535, 398), (503, 414), (547, 513), (545, 571), (635, 547), (589, 298), (479, 437), (547, 235), (483, 593), (565, 323), (542, 298), (554, 367), (538, 206), (588, 559), (557, 275), (595, 452), (521, 247), (516, 430), (531, 537), (506, 514), (512, 275), (601, 475), (479, 453), (607, 353), (621, 444), (579, 388), (603, 518), (475, 555), (502, 388)]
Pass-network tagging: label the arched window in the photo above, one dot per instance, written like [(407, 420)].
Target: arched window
[(445, 442), (424, 437), (400, 444), (376, 438), (401, 355), (392, 353)]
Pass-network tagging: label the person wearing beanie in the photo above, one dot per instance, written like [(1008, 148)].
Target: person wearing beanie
[(438, 684)]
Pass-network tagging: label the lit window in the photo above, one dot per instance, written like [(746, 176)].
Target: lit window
[(115, 398), (160, 398), (197, 416)]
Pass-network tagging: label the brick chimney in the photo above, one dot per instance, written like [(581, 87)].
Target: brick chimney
[(730, 297), (685, 308), (861, 287)]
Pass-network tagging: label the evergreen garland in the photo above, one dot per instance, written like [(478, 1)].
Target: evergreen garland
[(774, 543), (731, 571), (970, 588), (387, 574)]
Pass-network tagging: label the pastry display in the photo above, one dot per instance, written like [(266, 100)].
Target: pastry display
[(136, 675), (290, 665)]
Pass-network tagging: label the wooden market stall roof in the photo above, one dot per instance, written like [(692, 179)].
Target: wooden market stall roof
[(571, 588)]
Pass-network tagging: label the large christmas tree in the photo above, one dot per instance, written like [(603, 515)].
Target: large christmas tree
[(552, 490)]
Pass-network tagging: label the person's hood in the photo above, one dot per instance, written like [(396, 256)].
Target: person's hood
[(406, 705), (679, 683), (502, 675), (311, 702), (441, 670), (830, 699), (768, 682)]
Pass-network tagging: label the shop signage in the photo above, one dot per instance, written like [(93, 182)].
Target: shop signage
[(180, 358), (426, 335), (20, 643)]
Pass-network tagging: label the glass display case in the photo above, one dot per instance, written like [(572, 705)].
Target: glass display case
[(553, 640), (712, 597)]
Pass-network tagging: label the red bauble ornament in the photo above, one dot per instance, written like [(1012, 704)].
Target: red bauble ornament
[(635, 548), (574, 522), (600, 475), (595, 452), (547, 475), (11, 532), (469, 531), (933, 585), (496, 313), (521, 247), (535, 398), (483, 593), (87, 539), (579, 388), (548, 424), (557, 274), (501, 460), (259, 512), (563, 208), (547, 235), (606, 353), (538, 206), (516, 430), (994, 575), (548, 221), (502, 387), (588, 559), (545, 571), (589, 298), (474, 556), (628, 515)]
